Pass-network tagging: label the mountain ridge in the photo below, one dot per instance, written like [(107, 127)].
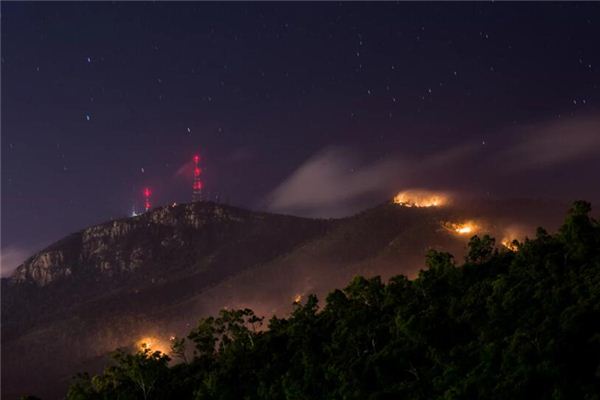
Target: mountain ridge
[(193, 215), (198, 258)]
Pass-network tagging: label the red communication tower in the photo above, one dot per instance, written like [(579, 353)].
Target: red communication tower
[(147, 193), (197, 185)]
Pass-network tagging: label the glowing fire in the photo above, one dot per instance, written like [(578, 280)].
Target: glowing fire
[(464, 228), (512, 234), (509, 244), (298, 299), (153, 344), (420, 198)]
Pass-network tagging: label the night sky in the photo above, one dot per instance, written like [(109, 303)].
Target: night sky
[(313, 109)]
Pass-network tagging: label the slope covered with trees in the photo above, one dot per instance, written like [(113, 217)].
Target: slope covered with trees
[(502, 325)]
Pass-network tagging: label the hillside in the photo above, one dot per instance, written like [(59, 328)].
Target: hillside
[(505, 324), (86, 293), (155, 274)]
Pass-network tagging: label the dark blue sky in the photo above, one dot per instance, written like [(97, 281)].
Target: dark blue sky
[(95, 93)]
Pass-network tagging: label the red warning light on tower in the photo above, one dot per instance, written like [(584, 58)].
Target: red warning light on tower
[(147, 193), (197, 184)]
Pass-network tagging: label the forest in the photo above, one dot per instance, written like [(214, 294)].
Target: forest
[(502, 324)]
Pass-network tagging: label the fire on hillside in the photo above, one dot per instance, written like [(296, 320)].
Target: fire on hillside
[(462, 228), (153, 344), (421, 198)]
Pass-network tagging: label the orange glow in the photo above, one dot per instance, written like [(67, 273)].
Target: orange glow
[(509, 244), (420, 198), (511, 234), (297, 299), (464, 228), (153, 344)]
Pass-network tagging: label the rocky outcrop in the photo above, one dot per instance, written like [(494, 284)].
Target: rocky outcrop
[(43, 268), (126, 245)]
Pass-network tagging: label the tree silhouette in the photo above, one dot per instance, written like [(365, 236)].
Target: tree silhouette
[(504, 325)]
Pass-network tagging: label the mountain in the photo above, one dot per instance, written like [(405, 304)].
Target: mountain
[(155, 274), (513, 323)]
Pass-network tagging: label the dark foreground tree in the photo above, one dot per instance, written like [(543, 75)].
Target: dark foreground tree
[(521, 324)]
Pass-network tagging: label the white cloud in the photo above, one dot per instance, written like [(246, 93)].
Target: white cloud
[(332, 183), (328, 183)]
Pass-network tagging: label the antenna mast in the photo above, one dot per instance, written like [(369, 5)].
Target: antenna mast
[(197, 185), (147, 193)]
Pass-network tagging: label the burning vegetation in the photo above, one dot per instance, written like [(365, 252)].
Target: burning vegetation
[(153, 344), (510, 244), (421, 198), (464, 228), (512, 235)]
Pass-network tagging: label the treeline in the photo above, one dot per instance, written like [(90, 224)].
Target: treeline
[(521, 324)]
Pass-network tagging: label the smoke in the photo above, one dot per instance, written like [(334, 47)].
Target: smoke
[(334, 183), (551, 144), (330, 183), (10, 258)]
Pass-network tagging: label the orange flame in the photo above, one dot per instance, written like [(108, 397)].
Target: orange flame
[(511, 234), (152, 344), (464, 228), (510, 244), (420, 198)]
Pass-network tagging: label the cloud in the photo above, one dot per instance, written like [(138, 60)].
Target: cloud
[(329, 182), (333, 183), (11, 257), (551, 144)]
